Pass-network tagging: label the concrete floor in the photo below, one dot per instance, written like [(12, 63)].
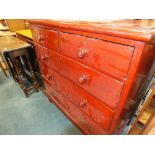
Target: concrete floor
[(26, 116)]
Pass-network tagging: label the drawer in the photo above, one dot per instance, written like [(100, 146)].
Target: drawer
[(78, 117), (46, 85), (44, 71), (47, 57), (107, 57), (41, 52), (84, 122), (47, 38), (50, 91), (92, 107), (48, 75)]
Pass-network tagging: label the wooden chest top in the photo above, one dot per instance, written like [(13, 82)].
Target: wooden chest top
[(131, 29)]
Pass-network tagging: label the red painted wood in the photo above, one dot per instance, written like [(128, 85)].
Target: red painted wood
[(140, 66), (42, 53), (47, 38), (101, 86), (99, 54), (87, 79), (47, 57), (124, 29), (77, 116), (94, 108)]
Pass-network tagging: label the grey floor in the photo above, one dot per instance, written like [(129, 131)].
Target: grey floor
[(27, 116)]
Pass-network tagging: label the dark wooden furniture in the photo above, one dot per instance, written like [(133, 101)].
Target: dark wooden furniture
[(21, 69), (17, 55), (10, 43), (26, 35), (93, 71)]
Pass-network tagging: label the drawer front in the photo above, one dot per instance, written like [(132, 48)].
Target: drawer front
[(99, 54), (47, 87), (48, 75), (47, 38), (41, 52), (53, 93), (93, 108), (78, 117), (84, 122), (47, 57)]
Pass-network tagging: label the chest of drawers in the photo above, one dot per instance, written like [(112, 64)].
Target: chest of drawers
[(93, 71)]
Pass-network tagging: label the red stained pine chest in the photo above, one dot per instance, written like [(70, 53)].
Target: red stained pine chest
[(93, 71)]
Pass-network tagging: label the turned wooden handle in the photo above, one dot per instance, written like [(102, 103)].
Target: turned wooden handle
[(49, 77), (81, 53), (83, 103), (83, 79), (44, 58)]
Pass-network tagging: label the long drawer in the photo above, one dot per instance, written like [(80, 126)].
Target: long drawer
[(78, 117), (44, 37), (91, 106), (101, 55)]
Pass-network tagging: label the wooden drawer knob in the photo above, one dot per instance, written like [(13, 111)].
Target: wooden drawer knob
[(81, 53), (45, 58), (83, 79), (40, 39), (83, 103), (49, 77), (53, 93)]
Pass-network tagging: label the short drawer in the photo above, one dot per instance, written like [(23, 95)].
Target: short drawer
[(76, 115), (92, 107), (47, 57), (102, 55), (47, 38), (48, 75), (41, 52)]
